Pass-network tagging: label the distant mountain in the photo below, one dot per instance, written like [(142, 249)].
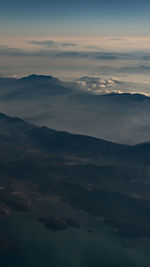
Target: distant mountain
[(45, 100), (36, 77), (31, 86)]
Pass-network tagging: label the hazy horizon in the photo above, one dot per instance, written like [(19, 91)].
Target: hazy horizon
[(73, 39)]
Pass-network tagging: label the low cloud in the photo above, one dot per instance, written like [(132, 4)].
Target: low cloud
[(9, 51), (115, 56), (53, 44), (136, 69), (46, 43), (63, 50), (72, 54), (118, 39), (68, 44), (99, 86)]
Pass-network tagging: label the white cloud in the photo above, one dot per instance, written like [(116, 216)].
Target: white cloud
[(96, 85)]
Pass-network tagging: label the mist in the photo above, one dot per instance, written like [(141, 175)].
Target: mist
[(112, 113)]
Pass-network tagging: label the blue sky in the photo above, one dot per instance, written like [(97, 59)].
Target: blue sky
[(111, 17)]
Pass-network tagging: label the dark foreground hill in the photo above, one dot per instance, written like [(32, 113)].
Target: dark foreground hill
[(107, 181)]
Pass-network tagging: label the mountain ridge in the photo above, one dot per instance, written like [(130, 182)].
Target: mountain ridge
[(45, 100), (74, 144)]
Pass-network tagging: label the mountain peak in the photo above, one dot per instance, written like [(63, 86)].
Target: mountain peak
[(36, 76)]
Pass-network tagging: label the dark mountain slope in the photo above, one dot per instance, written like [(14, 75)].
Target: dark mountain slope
[(104, 179), (87, 173), (51, 141)]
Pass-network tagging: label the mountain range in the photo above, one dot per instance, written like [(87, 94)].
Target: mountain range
[(45, 100)]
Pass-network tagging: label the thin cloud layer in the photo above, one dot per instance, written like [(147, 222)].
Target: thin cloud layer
[(52, 44), (69, 60), (66, 49)]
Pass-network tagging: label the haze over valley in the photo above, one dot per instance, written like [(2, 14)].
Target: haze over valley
[(97, 107)]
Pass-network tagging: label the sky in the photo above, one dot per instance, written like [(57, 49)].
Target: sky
[(64, 17), (72, 38)]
